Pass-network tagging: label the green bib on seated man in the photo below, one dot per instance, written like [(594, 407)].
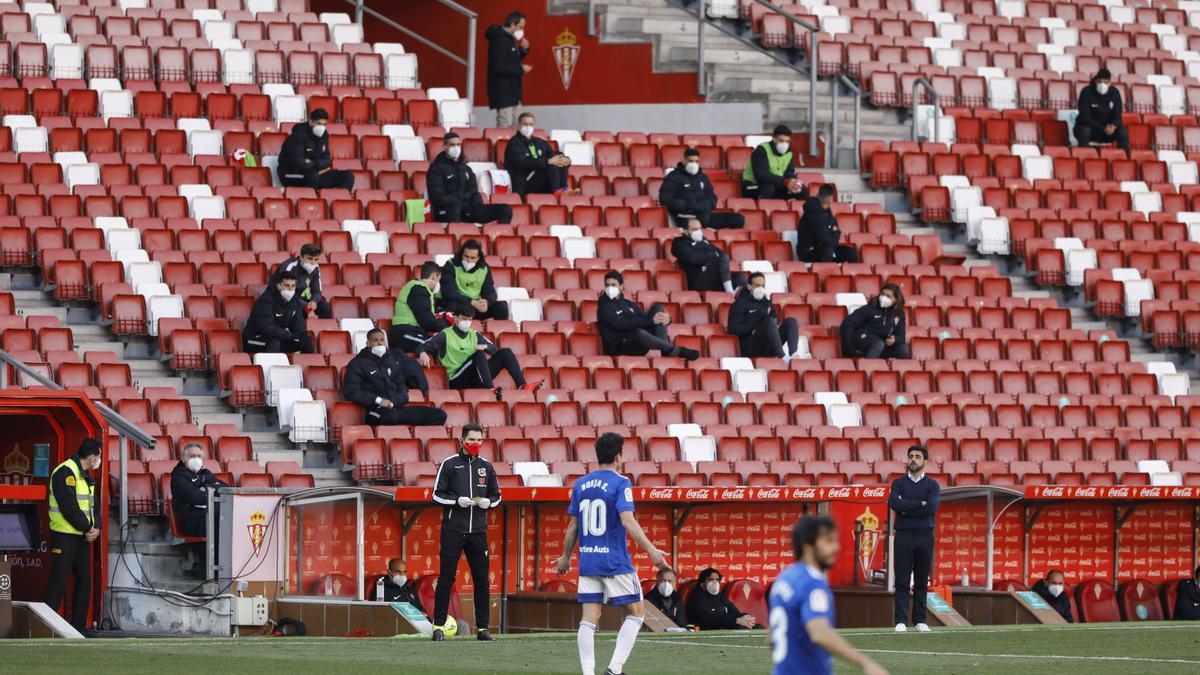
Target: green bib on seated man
[(459, 349), (403, 315)]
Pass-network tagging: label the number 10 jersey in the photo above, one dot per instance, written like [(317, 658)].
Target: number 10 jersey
[(598, 500)]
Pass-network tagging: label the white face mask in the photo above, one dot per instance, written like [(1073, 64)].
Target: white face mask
[(309, 267), (379, 350), (195, 464), (665, 589), (612, 292), (697, 235), (527, 131), (692, 168), (399, 579), (782, 148), (1102, 88), (463, 324), (519, 34), (288, 294), (468, 266), (319, 130), (759, 292), (713, 587), (454, 151), (437, 288), (885, 301), (1055, 589)]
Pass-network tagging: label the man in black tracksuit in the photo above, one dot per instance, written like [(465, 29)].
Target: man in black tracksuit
[(914, 499), (507, 48), (705, 265), (1187, 599), (308, 280), (533, 165), (190, 483), (626, 330), (877, 329), (304, 157), (453, 192), (687, 194), (818, 235), (73, 530), (466, 487), (1053, 590), (753, 320), (1100, 110), (375, 380), (278, 322)]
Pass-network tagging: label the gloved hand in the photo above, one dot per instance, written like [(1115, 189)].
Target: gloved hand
[(448, 317), (465, 502), (483, 502)]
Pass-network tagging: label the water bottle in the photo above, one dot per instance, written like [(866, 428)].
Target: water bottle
[(379, 590), (965, 580), (328, 585)]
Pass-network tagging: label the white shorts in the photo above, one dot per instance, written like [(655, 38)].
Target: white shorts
[(622, 589)]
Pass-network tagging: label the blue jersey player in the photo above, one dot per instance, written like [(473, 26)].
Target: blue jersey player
[(601, 514), (801, 617)]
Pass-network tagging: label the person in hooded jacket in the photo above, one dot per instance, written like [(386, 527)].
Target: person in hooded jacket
[(688, 195), (876, 330), (533, 166), (818, 235), (705, 265), (707, 609), (304, 159), (306, 267), (453, 191), (753, 320), (467, 280), (507, 49), (626, 330), (278, 322), (374, 379), (1100, 110)]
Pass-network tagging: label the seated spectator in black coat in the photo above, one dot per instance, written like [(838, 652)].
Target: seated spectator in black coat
[(533, 166), (688, 195), (626, 330), (415, 316), (771, 174), (308, 280), (1100, 110), (375, 380), (471, 360), (190, 483), (818, 236), (876, 330), (1053, 591), (453, 191), (665, 596), (467, 280), (753, 320), (706, 266), (278, 322), (1187, 599), (707, 609), (396, 586), (304, 157)]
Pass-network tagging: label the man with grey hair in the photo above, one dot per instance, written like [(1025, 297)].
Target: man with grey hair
[(190, 483)]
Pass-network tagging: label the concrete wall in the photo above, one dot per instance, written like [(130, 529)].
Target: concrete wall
[(682, 118)]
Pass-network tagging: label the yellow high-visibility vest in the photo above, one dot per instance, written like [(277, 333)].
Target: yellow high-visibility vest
[(84, 493)]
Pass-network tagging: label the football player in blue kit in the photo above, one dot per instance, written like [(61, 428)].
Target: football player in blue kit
[(801, 617), (601, 513)]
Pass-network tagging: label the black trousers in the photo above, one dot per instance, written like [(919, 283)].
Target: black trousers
[(417, 416), (454, 544), (768, 191), (546, 181), (496, 310), (642, 340), (1085, 134), (873, 347), (269, 345), (711, 277), (769, 338), (311, 179), (482, 370), (725, 220), (70, 554), (407, 339), (466, 213), (414, 374), (913, 557), (839, 254)]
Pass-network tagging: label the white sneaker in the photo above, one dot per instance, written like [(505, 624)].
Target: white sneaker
[(923, 628), (901, 628)]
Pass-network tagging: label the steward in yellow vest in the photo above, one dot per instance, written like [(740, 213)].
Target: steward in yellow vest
[(471, 360), (74, 525), (415, 315), (770, 173)]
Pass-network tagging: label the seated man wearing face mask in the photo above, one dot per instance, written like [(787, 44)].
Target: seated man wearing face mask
[(395, 587), (877, 329), (278, 322), (467, 280), (753, 320), (1053, 591), (453, 191), (190, 483), (664, 597), (308, 280), (375, 380), (626, 330), (707, 609), (1100, 110), (471, 360), (304, 157), (706, 266), (688, 195), (818, 237), (770, 173), (532, 165)]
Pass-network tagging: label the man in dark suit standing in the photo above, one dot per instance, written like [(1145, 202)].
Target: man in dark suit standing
[(914, 500)]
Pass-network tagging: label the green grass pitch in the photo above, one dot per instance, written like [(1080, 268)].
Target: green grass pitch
[(1104, 648)]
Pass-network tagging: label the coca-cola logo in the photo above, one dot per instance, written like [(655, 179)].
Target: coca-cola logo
[(733, 493), (768, 493), (1086, 491), (1181, 492), (1152, 492), (839, 493), (1054, 491), (699, 493), (1118, 492), (661, 493), (804, 493), (878, 492)]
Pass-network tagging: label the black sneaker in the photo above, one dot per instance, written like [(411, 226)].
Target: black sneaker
[(688, 354), (484, 636), (499, 392), (608, 671), (438, 635)]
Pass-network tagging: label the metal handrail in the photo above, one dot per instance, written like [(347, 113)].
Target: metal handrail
[(360, 8), (937, 109), (813, 31), (591, 18), (833, 131)]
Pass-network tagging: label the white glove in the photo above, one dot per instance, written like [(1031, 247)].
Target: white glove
[(483, 502), (465, 502)]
